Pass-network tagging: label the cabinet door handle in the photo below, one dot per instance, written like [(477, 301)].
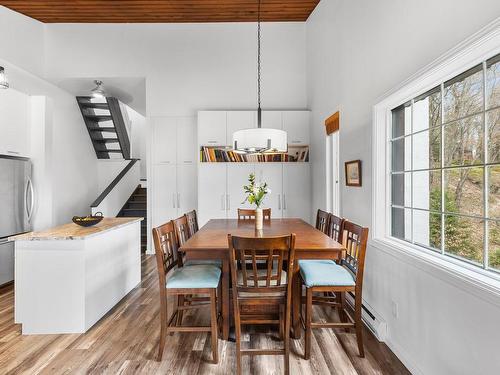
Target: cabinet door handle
[(279, 201), (212, 142), (222, 205), (173, 200), (13, 152), (178, 200), (228, 202), (187, 161), (284, 201)]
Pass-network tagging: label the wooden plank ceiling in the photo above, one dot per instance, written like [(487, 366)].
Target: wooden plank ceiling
[(161, 11)]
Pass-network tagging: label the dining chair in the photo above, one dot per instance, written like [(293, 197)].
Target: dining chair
[(335, 227), (187, 280), (262, 296), (183, 233), (249, 214), (192, 219), (322, 221), (327, 276)]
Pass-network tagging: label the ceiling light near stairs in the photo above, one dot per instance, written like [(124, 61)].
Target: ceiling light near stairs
[(98, 91)]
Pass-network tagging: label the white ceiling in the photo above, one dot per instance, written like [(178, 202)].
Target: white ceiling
[(129, 90)]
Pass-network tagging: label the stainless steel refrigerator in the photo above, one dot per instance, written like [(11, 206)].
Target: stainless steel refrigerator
[(16, 208)]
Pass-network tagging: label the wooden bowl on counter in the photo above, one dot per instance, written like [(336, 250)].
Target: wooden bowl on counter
[(88, 221)]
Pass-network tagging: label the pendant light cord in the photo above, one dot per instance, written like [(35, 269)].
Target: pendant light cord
[(258, 67)]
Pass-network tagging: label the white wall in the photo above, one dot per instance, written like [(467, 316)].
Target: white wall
[(22, 41), (188, 67), (72, 172), (356, 51), (138, 139)]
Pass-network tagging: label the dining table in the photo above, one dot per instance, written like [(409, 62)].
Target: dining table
[(211, 243)]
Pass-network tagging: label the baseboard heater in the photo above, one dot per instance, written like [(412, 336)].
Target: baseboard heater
[(373, 320)]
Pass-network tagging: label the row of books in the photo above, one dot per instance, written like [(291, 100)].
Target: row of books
[(223, 155)]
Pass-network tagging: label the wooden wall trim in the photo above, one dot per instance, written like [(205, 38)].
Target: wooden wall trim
[(332, 123)]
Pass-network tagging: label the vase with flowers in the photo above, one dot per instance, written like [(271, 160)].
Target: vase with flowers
[(256, 192)]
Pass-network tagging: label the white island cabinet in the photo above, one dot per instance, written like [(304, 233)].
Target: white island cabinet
[(69, 277)]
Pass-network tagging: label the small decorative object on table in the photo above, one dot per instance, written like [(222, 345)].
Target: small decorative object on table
[(255, 195), (88, 221), (353, 173)]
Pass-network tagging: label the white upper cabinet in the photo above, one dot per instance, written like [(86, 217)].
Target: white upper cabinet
[(212, 128), (296, 124), (297, 191), (14, 123), (272, 119), (237, 177), (238, 120), (186, 140), (164, 140), (174, 140)]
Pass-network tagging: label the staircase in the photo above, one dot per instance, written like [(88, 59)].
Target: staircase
[(136, 206), (106, 123)]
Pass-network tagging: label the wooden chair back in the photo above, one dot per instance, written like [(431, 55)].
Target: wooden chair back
[(192, 220), (335, 227), (181, 228), (249, 214), (245, 253), (166, 249), (355, 240), (322, 221)]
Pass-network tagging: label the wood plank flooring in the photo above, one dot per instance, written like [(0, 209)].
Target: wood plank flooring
[(125, 341)]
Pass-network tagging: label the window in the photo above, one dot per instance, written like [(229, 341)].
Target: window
[(445, 168)]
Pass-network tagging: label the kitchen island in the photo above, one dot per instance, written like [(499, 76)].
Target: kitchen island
[(69, 277)]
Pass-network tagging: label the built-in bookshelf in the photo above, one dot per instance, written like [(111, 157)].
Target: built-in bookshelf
[(220, 154)]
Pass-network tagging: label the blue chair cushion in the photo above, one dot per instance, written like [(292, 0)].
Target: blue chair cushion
[(196, 276), (324, 273), (213, 262)]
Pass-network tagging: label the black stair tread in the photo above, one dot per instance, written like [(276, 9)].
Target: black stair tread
[(98, 117), (112, 151), (105, 140), (94, 105), (108, 129)]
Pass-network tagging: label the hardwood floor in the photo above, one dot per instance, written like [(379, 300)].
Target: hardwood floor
[(125, 341)]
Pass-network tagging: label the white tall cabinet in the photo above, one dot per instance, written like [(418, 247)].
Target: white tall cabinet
[(220, 185), (174, 168)]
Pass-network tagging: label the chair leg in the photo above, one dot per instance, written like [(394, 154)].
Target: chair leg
[(281, 323), (213, 324), (237, 329), (359, 325), (163, 327), (180, 302), (287, 318), (342, 314), (307, 349), (219, 306)]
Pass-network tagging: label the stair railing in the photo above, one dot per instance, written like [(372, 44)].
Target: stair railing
[(112, 199)]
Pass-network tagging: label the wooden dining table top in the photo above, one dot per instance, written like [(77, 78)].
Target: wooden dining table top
[(213, 235)]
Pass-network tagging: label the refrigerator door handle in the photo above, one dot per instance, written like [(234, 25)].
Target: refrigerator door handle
[(29, 211)]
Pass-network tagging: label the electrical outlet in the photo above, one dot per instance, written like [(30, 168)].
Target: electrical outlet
[(395, 309)]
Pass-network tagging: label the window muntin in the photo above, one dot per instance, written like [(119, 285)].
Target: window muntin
[(445, 183)]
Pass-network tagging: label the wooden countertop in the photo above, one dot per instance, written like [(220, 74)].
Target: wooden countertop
[(72, 231)]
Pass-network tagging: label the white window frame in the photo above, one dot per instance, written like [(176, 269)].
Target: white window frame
[(332, 173), (473, 51)]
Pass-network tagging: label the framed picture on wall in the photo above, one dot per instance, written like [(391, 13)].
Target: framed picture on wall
[(353, 173)]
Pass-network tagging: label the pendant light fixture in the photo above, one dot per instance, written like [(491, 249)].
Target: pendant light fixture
[(259, 140), (4, 82), (98, 91)]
